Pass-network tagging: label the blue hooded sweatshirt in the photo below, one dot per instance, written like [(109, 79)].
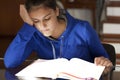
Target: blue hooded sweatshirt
[(79, 40)]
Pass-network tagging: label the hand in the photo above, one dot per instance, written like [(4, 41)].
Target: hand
[(104, 62), (24, 15)]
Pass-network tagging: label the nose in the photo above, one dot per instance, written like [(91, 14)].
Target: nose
[(41, 25)]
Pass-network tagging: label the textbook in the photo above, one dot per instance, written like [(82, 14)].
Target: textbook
[(74, 69)]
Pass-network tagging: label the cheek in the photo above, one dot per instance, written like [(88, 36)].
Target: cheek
[(52, 26), (53, 23), (37, 26)]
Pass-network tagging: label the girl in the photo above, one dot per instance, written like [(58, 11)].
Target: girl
[(54, 33)]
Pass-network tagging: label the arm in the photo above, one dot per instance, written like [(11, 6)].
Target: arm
[(97, 50), (20, 48), (94, 44), (22, 45)]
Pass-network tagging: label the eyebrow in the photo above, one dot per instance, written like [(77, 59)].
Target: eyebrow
[(47, 14), (43, 17)]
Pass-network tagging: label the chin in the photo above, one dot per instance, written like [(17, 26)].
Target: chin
[(47, 35)]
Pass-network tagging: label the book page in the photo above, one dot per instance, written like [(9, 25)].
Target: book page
[(47, 68), (75, 69), (81, 69)]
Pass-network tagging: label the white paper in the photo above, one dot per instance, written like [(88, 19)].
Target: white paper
[(57, 67)]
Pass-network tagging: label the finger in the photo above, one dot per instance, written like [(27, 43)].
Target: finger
[(98, 60), (107, 63), (103, 61)]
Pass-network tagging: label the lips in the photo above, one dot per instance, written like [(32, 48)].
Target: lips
[(45, 30)]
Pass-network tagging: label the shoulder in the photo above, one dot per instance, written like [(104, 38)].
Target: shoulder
[(82, 25), (76, 22)]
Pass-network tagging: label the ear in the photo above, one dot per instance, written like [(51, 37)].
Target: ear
[(57, 11)]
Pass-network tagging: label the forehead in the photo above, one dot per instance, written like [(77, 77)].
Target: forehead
[(40, 12), (40, 9)]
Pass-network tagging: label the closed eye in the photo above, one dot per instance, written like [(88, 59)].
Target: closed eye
[(35, 20), (47, 19)]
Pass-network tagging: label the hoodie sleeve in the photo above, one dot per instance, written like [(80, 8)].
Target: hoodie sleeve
[(94, 43), (20, 48)]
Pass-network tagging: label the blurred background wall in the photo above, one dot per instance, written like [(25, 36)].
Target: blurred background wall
[(10, 22)]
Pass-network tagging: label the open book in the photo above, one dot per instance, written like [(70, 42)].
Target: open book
[(74, 69)]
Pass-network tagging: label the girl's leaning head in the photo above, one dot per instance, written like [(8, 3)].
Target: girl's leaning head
[(44, 15)]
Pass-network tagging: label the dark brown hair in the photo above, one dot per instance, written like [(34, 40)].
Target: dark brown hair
[(44, 3)]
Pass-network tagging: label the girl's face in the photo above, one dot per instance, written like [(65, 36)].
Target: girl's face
[(45, 20)]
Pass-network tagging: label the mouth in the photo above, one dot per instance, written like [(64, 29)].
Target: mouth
[(45, 30)]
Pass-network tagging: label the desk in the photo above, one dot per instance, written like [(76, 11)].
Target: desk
[(9, 74)]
